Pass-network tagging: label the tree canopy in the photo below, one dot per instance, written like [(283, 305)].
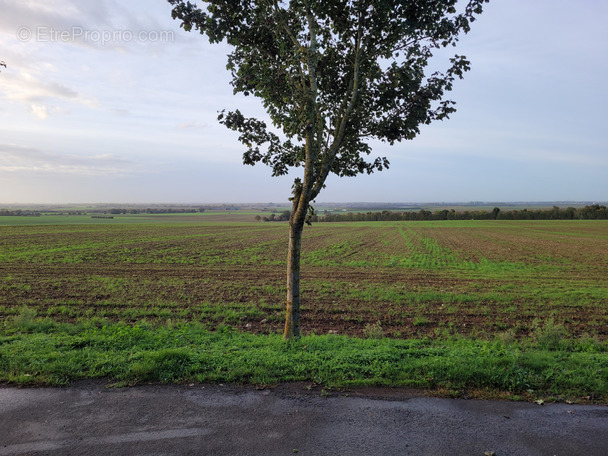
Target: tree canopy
[(333, 74)]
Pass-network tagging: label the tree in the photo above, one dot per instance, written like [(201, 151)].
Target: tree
[(332, 74)]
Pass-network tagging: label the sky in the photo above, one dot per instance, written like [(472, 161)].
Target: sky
[(110, 101)]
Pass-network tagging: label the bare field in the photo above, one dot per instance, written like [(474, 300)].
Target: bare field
[(416, 279)]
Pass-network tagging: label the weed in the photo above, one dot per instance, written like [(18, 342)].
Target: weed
[(163, 366), (507, 337), (587, 343), (25, 319), (550, 336), (421, 320), (373, 331)]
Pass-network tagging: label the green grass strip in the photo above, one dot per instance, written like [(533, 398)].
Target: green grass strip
[(42, 352)]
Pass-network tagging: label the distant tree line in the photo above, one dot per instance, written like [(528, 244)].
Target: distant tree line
[(148, 210), (593, 212), (282, 217), (114, 211), (19, 212)]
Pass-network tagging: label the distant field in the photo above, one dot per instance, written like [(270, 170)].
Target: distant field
[(209, 216), (417, 279)]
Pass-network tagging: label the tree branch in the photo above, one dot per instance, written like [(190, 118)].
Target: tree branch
[(350, 100), (279, 14)]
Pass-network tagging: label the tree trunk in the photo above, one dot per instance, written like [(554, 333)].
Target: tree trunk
[(292, 316)]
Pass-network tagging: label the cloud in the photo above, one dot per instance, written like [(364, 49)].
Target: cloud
[(28, 160), (40, 111), (42, 97), (120, 111), (54, 50), (192, 126), (28, 88)]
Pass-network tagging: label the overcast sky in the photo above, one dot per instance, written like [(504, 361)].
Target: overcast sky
[(110, 101)]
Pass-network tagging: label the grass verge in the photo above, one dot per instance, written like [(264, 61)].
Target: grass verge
[(43, 352)]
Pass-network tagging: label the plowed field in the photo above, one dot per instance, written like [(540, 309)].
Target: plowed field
[(416, 278)]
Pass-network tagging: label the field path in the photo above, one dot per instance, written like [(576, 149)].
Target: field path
[(87, 418)]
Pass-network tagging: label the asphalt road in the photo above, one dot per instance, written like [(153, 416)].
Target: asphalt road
[(88, 419)]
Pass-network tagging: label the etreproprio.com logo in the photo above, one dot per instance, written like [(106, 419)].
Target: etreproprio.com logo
[(45, 34)]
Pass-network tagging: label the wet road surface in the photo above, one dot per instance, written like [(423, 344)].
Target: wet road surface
[(88, 418)]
